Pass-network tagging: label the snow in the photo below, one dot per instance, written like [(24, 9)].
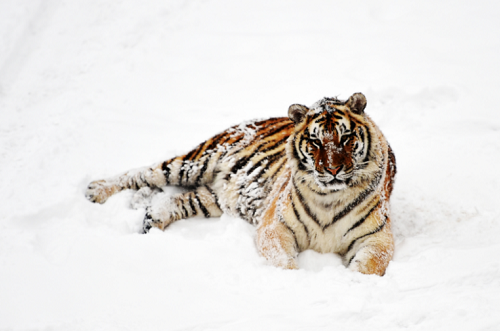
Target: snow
[(90, 89)]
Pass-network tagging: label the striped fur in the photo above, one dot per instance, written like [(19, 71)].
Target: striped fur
[(319, 179)]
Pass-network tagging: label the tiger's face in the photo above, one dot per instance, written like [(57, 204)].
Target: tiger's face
[(331, 142)]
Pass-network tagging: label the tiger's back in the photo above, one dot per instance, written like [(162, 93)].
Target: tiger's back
[(319, 179)]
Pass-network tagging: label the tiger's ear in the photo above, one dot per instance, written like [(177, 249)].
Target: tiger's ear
[(357, 103), (297, 113)]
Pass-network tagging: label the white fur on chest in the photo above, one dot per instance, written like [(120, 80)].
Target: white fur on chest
[(328, 235)]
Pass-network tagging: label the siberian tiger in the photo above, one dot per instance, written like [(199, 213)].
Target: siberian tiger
[(319, 179)]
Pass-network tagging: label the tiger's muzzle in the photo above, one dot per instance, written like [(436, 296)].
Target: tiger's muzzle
[(331, 177)]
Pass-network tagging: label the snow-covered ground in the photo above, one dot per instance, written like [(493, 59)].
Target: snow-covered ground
[(89, 89)]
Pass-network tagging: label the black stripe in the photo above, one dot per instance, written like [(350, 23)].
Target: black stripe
[(146, 224), (264, 145), (299, 148), (143, 179), (296, 156), (244, 216), (135, 182), (181, 170), (239, 135), (392, 162), (316, 192), (190, 154), (202, 207), (252, 148), (371, 188), (255, 178), (258, 144), (186, 162), (351, 245), (240, 164), (202, 171), (216, 199), (271, 158), (300, 221), (271, 179), (268, 122), (191, 204), (276, 130), (275, 145), (365, 145), (200, 149), (277, 156), (254, 211), (224, 137), (283, 160), (302, 139), (185, 211), (350, 260), (368, 137), (304, 205), (362, 135), (227, 150), (315, 116), (166, 171), (215, 141), (281, 155), (261, 171), (352, 125), (358, 223), (294, 236), (265, 124)]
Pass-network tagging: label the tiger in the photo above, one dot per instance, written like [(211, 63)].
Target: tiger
[(318, 179)]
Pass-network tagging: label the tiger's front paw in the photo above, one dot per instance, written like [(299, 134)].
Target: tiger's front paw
[(100, 190), (372, 259)]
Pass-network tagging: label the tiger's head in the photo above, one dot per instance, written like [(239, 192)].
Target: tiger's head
[(331, 141)]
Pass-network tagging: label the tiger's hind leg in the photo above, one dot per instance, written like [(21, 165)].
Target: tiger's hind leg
[(166, 209), (194, 169), (100, 190), (175, 172)]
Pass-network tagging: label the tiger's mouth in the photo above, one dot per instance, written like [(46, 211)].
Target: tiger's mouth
[(329, 181)]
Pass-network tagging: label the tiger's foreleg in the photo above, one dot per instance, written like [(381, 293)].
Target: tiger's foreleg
[(166, 209), (372, 253), (276, 242)]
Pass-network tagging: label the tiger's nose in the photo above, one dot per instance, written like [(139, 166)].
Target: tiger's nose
[(333, 171)]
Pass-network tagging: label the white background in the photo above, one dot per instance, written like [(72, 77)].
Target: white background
[(90, 89)]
